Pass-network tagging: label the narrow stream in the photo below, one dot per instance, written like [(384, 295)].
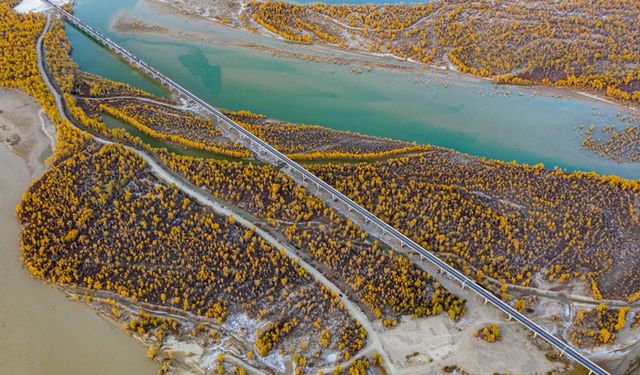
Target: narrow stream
[(114, 123)]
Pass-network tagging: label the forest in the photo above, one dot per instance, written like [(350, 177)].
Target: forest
[(515, 224), (598, 326), (171, 125), (270, 195), (316, 143), (388, 284), (579, 44), (99, 220), (503, 223)]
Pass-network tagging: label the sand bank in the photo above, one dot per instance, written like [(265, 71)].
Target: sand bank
[(25, 130)]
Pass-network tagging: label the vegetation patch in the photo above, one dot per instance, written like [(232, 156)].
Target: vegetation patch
[(586, 45), (489, 333), (598, 326)]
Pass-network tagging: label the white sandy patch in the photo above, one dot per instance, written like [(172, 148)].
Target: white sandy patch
[(209, 361), (596, 97), (332, 357), (242, 323), (48, 129), (185, 347), (276, 361), (426, 345), (27, 6)]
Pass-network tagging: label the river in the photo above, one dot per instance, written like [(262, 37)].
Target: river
[(455, 111), (41, 332)]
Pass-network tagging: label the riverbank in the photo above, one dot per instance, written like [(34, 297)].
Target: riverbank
[(229, 13), (42, 333), (125, 23), (318, 85)]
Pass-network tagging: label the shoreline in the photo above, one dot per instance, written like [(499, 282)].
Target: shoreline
[(410, 66), (364, 63), (43, 333)]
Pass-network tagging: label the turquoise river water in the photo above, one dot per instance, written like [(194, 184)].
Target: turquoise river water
[(466, 114)]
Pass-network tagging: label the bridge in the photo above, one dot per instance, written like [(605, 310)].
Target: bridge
[(269, 154)]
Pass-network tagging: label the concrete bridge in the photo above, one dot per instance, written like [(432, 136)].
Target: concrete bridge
[(269, 154)]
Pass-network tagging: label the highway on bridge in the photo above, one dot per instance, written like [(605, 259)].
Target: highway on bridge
[(278, 159)]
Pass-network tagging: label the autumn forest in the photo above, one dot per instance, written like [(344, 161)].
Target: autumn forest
[(174, 246)]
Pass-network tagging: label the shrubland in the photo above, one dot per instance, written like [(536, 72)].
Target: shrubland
[(489, 333)]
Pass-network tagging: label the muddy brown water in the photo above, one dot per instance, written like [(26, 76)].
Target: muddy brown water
[(41, 331)]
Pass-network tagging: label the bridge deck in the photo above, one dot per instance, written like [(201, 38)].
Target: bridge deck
[(278, 159)]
